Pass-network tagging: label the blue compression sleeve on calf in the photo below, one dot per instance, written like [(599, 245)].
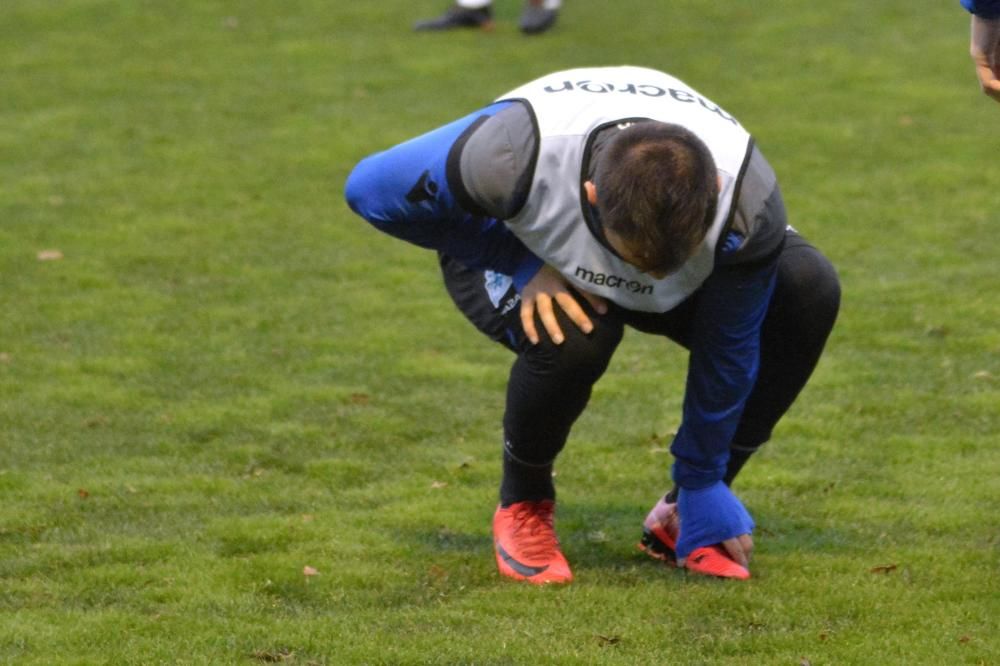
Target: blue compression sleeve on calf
[(709, 516)]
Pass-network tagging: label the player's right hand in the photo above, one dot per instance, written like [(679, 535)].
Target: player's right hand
[(547, 287)]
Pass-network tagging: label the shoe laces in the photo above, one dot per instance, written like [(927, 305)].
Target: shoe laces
[(534, 530)]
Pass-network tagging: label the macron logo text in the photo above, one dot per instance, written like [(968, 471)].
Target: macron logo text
[(613, 281)]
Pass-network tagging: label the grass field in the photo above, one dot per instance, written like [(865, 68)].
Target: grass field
[(237, 425)]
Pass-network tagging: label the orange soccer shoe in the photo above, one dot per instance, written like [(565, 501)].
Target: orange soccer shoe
[(659, 539), (526, 543)]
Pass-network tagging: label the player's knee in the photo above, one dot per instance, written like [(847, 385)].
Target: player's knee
[(581, 356), (825, 289), (814, 284)]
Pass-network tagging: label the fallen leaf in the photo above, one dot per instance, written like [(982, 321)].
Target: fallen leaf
[(983, 374), (308, 571), (83, 493), (964, 639), (937, 331), (96, 421), (273, 656), (360, 398), (608, 640), (49, 255), (804, 662), (888, 568), (437, 485)]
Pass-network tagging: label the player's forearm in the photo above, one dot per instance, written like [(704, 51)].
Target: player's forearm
[(723, 364)]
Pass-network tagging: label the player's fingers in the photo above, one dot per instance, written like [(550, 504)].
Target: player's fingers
[(596, 302), (735, 549), (546, 313), (574, 312), (528, 319), (992, 88), (985, 75)]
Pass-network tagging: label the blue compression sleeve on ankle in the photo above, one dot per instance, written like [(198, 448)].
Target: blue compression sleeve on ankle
[(709, 516)]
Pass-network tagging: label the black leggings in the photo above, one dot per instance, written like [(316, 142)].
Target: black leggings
[(550, 384)]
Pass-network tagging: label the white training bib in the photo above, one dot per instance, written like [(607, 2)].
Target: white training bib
[(569, 106)]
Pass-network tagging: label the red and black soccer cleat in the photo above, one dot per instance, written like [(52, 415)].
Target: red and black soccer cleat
[(526, 544), (659, 540)]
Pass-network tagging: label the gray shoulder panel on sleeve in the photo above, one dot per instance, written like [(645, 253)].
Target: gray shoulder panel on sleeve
[(760, 215), (496, 160)]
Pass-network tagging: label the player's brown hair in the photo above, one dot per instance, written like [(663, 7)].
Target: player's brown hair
[(657, 190)]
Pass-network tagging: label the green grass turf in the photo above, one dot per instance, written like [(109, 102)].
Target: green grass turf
[(227, 377)]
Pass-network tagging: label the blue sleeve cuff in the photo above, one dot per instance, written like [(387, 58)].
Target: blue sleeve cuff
[(527, 269), (709, 516), (987, 9)]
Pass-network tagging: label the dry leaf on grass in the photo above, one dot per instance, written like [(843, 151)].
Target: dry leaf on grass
[(49, 255), (274, 656)]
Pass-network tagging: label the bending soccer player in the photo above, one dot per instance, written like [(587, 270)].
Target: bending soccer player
[(588, 201)]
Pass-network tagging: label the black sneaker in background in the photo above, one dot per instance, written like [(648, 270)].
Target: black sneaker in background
[(458, 17), (535, 18)]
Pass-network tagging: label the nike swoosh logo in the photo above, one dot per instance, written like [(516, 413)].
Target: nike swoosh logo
[(519, 567)]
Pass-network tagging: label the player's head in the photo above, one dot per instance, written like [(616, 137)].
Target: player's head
[(656, 195)]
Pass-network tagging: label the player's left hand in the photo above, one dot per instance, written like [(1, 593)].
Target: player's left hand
[(714, 515), (549, 287)]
